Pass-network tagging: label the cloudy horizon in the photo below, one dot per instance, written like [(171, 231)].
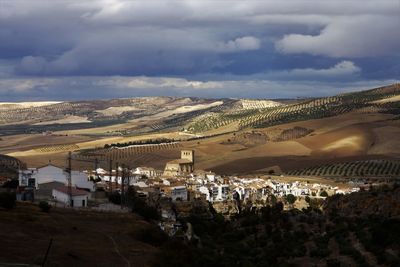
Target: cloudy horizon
[(75, 50)]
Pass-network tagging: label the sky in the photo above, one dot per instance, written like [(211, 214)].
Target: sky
[(98, 49)]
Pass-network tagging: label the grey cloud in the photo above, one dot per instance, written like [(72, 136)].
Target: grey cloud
[(196, 38), (343, 70), (240, 44), (78, 88), (363, 36)]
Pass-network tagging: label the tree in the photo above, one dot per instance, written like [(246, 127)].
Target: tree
[(7, 200), (272, 200), (12, 184), (44, 206), (290, 199), (115, 198), (323, 194), (140, 206)]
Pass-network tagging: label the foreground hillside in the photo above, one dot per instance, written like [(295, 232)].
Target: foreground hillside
[(80, 238), (273, 237), (360, 229)]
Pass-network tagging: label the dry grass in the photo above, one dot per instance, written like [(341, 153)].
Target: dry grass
[(387, 100), (66, 120), (17, 105)]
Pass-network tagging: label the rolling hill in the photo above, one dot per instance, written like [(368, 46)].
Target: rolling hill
[(230, 136)]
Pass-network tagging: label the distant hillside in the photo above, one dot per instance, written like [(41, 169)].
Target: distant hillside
[(49, 116), (330, 136), (194, 114), (259, 115)]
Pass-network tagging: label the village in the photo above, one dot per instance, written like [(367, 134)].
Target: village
[(174, 192)]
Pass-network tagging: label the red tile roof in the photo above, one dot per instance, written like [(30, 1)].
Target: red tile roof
[(74, 191)]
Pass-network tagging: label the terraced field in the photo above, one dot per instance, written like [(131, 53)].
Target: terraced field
[(368, 168), (307, 110), (292, 134), (56, 148), (125, 153), (259, 104), (9, 162)]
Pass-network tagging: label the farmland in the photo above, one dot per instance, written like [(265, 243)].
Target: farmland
[(367, 168), (227, 134)]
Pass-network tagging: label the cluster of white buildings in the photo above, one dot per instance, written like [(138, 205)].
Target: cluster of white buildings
[(188, 184), (215, 188), (51, 182)]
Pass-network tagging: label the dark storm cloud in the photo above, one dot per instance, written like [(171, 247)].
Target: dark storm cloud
[(265, 42)]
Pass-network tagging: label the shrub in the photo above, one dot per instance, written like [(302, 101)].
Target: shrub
[(115, 198), (319, 252), (7, 200), (323, 194), (140, 206), (151, 235), (290, 199), (44, 206), (13, 184), (333, 263)]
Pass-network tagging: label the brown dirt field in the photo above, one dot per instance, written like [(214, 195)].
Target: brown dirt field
[(347, 141), (26, 231), (25, 148), (386, 100), (25, 142), (387, 140)]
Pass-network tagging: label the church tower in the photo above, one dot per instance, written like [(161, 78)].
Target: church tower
[(188, 154)]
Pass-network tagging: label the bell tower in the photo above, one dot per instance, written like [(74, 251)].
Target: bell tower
[(188, 154)]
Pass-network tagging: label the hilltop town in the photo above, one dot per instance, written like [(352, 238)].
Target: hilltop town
[(171, 191)]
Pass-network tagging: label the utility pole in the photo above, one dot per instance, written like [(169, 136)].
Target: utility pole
[(129, 178), (123, 186), (96, 164), (110, 172), (69, 172), (116, 175)]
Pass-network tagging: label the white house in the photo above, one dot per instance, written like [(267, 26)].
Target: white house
[(210, 176), (179, 193), (79, 197), (33, 177), (146, 171), (204, 190)]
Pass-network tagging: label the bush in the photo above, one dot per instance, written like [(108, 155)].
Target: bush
[(333, 263), (323, 194), (44, 206), (140, 206), (151, 235), (147, 212), (7, 200), (319, 252), (291, 199), (115, 198)]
